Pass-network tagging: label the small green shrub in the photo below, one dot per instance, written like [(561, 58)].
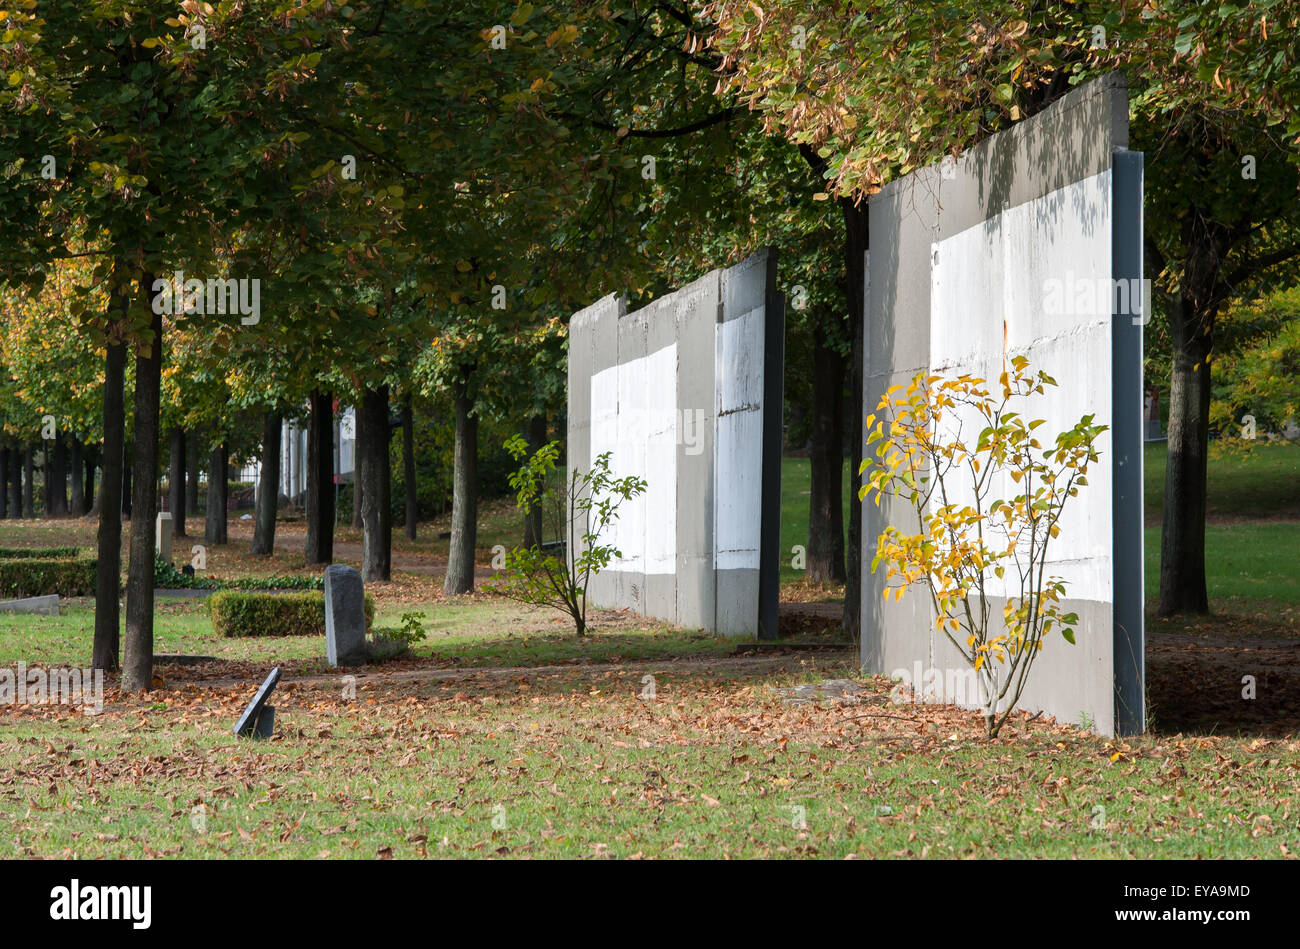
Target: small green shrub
[(66, 576), (393, 643), (273, 614), (38, 553)]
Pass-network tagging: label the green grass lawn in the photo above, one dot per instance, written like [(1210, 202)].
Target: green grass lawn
[(483, 631), (1264, 484), (582, 765)]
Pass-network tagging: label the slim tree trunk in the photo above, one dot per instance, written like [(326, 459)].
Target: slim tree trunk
[(536, 435), (464, 498), (268, 491), (320, 479), (58, 503), (191, 472), (176, 482), (856, 242), (1191, 331), (137, 658), (408, 468), (374, 473), (91, 499), (128, 452), (77, 497), (47, 470), (214, 532), (825, 497), (15, 485), (108, 572), (4, 482), (29, 483)]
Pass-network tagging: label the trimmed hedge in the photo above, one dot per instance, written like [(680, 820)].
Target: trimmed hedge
[(38, 553), (66, 576), (271, 614)]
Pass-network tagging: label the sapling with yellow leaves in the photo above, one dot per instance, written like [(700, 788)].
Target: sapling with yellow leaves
[(971, 545)]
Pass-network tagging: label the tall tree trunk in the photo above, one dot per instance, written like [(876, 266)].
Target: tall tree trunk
[(320, 479), (47, 470), (91, 499), (358, 485), (137, 654), (826, 494), (108, 572), (374, 473), (214, 531), (191, 472), (1191, 331), (176, 482), (464, 498), (536, 435), (58, 503), (29, 482), (77, 496), (15, 485), (225, 492), (128, 452), (4, 481), (856, 242), (268, 491), (408, 469)]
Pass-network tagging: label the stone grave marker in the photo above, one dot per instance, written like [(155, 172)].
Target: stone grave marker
[(345, 616)]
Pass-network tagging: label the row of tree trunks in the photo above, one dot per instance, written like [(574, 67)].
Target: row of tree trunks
[(17, 465)]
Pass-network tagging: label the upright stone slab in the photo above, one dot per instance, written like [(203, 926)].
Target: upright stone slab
[(162, 538), (345, 616)]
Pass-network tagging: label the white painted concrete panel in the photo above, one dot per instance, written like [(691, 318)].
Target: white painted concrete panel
[(634, 416), (738, 469), (661, 462), (997, 279)]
